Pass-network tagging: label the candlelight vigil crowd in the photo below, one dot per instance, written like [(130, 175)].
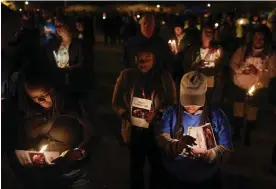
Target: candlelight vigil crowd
[(191, 90)]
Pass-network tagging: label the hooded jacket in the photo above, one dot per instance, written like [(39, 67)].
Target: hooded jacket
[(179, 165)]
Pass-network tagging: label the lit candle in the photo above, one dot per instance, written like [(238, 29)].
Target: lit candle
[(172, 44), (251, 90), (43, 148)]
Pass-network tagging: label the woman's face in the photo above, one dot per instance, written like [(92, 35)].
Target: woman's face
[(61, 29), (145, 61), (207, 34), (258, 40), (41, 96), (192, 109), (79, 27), (178, 30)]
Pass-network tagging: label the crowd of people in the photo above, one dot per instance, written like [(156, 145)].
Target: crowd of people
[(185, 83), (167, 89)]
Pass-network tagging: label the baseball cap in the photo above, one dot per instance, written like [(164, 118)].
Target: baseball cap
[(193, 89)]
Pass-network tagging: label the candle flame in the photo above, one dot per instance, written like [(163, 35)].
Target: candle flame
[(43, 148), (252, 90)]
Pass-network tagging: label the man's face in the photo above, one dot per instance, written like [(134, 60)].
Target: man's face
[(178, 30), (192, 109), (145, 61), (40, 96), (258, 40), (147, 27), (79, 26)]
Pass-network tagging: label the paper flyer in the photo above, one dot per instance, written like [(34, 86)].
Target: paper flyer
[(139, 110), (204, 136), (35, 157)]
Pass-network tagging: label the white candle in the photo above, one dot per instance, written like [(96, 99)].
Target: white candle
[(173, 46)]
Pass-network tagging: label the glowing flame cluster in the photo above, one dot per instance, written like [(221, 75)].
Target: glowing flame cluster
[(254, 87), (43, 148), (251, 90)]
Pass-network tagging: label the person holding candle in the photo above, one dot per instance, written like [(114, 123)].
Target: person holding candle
[(65, 55), (186, 166), (251, 64), (50, 118), (207, 58), (179, 43), (139, 95)]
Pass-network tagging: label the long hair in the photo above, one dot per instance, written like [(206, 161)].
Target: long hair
[(66, 25), (33, 79), (267, 38)]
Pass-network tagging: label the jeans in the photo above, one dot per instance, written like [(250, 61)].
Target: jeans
[(142, 145)]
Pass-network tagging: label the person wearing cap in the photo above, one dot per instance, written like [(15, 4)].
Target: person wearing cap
[(146, 37), (186, 167), (208, 58), (139, 96), (251, 64)]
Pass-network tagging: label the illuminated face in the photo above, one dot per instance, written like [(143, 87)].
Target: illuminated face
[(178, 30), (192, 109), (147, 27), (40, 96), (207, 34), (145, 61), (258, 40), (61, 29), (79, 27)]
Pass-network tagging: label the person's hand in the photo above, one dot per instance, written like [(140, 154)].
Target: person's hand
[(199, 153), (253, 69), (74, 155), (150, 115), (202, 63), (186, 141)]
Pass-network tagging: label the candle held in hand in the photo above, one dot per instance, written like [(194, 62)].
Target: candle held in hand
[(43, 148)]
